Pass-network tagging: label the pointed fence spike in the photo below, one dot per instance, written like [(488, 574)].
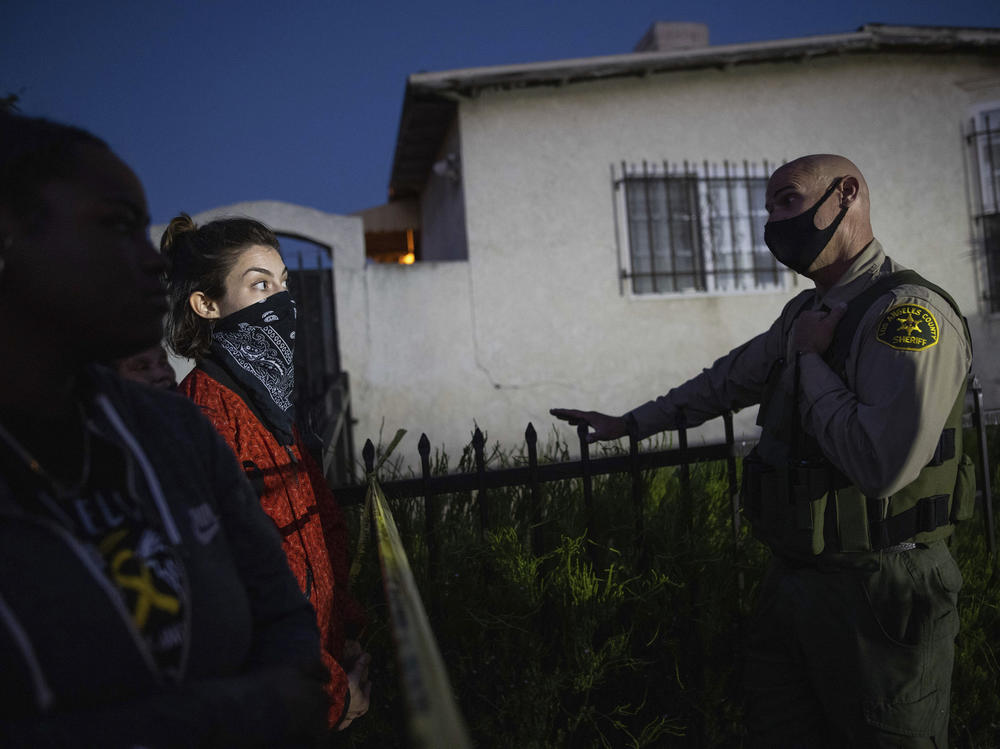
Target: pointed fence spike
[(478, 440), (478, 443), (588, 486), (531, 440), (368, 453), (430, 514), (424, 449)]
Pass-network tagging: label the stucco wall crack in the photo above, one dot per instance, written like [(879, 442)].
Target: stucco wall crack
[(477, 356)]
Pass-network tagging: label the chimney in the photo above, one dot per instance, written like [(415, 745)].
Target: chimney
[(673, 36)]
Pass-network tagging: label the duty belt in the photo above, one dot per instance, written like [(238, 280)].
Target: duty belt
[(809, 508)]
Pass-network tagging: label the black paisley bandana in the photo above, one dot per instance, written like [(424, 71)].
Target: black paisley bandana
[(256, 346)]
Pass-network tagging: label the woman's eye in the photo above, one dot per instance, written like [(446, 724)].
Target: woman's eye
[(262, 285)]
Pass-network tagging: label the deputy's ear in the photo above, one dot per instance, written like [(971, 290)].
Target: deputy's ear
[(849, 190), (203, 306)]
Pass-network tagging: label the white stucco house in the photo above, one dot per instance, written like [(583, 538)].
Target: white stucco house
[(591, 230)]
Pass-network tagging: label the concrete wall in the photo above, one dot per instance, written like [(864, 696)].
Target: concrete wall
[(420, 371), (442, 209)]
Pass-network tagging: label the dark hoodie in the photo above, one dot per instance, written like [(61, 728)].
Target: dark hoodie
[(75, 666)]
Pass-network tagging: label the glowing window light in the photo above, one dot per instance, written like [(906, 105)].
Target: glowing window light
[(410, 256)]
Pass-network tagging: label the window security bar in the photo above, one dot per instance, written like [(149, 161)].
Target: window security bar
[(982, 139), (694, 227)]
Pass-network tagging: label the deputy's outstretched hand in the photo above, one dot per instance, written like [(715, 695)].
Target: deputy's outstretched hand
[(604, 427)]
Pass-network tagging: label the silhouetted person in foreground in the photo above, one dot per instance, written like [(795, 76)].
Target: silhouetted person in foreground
[(857, 480), (144, 597)]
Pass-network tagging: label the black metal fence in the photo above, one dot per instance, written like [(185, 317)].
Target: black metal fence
[(533, 474)]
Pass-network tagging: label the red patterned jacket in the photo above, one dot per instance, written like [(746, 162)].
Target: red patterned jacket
[(297, 498)]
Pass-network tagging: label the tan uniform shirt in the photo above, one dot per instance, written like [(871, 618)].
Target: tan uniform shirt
[(907, 361)]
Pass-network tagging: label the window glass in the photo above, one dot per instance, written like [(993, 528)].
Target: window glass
[(983, 141), (987, 138), (696, 229)]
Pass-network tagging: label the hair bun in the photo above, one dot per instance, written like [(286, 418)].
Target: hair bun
[(180, 224)]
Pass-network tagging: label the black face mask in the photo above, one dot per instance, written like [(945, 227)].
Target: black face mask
[(796, 241), (256, 346)]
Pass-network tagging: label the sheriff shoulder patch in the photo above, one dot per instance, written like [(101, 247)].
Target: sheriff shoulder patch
[(908, 327)]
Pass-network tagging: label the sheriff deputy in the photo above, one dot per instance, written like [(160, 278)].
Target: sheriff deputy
[(858, 477)]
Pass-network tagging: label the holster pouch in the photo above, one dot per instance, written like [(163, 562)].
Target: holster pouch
[(963, 501), (786, 506), (855, 514)]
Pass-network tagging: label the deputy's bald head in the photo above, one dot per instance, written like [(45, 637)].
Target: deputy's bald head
[(834, 190), (818, 171)]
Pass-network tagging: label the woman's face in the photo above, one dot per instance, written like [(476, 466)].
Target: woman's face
[(259, 272)]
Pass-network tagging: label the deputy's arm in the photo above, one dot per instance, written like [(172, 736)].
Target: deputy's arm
[(904, 373), (735, 380)]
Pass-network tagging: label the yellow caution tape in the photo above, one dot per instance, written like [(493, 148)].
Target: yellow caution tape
[(434, 717), (366, 510)]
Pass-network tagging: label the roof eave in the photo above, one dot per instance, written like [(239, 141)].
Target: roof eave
[(440, 90), (467, 82)]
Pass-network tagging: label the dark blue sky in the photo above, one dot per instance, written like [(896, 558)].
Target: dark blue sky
[(219, 101)]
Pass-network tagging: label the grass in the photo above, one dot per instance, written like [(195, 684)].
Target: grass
[(605, 639)]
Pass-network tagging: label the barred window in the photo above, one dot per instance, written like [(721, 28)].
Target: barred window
[(694, 228), (983, 146)]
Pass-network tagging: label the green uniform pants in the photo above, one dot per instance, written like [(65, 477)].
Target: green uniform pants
[(855, 656)]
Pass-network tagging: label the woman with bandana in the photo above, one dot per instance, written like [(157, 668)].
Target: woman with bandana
[(230, 311), (144, 597)]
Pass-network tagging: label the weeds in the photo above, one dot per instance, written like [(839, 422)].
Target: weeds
[(601, 641)]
